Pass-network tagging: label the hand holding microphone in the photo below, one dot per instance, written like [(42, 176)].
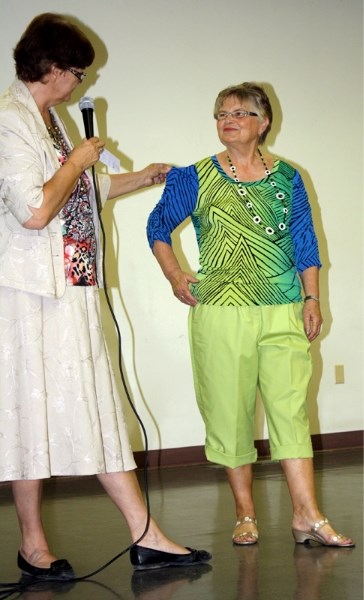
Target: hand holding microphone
[(86, 154)]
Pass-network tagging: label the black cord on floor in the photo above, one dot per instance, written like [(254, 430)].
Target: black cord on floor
[(125, 386), (19, 587)]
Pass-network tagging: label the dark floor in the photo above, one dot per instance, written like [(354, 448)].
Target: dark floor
[(194, 506)]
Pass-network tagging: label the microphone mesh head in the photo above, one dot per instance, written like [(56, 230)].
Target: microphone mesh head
[(86, 102)]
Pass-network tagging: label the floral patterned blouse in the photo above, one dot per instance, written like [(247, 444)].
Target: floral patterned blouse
[(78, 230)]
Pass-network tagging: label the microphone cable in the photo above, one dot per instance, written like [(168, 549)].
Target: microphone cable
[(123, 379), (8, 589), (125, 386)]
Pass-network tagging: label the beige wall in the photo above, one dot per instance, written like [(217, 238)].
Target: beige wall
[(160, 65)]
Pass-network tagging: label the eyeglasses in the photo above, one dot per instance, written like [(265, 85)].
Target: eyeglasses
[(79, 74), (236, 114)]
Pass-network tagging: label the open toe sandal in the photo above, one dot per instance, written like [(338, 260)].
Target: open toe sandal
[(313, 534), (244, 537)]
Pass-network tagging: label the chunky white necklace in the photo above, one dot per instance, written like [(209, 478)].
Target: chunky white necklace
[(243, 191)]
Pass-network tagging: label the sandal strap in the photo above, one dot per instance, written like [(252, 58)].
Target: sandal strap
[(334, 537), (245, 534), (247, 520), (319, 524)]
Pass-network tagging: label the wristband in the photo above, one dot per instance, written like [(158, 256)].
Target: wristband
[(310, 297)]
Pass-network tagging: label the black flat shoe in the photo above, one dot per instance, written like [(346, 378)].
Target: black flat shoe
[(58, 571), (147, 558)]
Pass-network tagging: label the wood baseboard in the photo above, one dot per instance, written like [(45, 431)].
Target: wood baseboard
[(192, 455)]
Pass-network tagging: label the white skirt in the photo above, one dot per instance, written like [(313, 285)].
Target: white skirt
[(60, 413)]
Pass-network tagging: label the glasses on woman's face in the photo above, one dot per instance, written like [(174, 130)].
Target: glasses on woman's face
[(236, 114), (79, 74)]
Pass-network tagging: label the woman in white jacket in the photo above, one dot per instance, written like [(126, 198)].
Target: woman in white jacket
[(59, 409)]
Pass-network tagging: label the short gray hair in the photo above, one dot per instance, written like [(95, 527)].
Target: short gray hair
[(256, 95)]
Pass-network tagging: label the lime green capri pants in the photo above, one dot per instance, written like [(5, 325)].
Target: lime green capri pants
[(237, 349)]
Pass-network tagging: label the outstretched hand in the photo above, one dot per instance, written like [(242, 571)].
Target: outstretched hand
[(155, 173)]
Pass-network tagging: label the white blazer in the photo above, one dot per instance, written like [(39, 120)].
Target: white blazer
[(31, 260)]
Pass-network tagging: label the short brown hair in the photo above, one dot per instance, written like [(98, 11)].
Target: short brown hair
[(51, 39), (255, 94)]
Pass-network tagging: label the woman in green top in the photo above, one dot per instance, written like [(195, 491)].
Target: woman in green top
[(249, 326)]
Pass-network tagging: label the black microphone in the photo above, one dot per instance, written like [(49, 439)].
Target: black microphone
[(86, 105)]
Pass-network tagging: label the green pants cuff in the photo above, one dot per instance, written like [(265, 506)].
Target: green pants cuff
[(226, 460), (292, 451)]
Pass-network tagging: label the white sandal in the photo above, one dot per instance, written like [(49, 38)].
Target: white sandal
[(245, 537), (313, 534)]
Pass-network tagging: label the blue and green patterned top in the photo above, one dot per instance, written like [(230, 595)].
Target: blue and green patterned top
[(241, 261)]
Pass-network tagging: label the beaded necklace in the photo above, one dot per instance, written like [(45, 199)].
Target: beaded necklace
[(243, 191), (58, 139), (61, 145)]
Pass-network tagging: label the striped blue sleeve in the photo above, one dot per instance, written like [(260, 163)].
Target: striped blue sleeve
[(302, 230), (176, 204)]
